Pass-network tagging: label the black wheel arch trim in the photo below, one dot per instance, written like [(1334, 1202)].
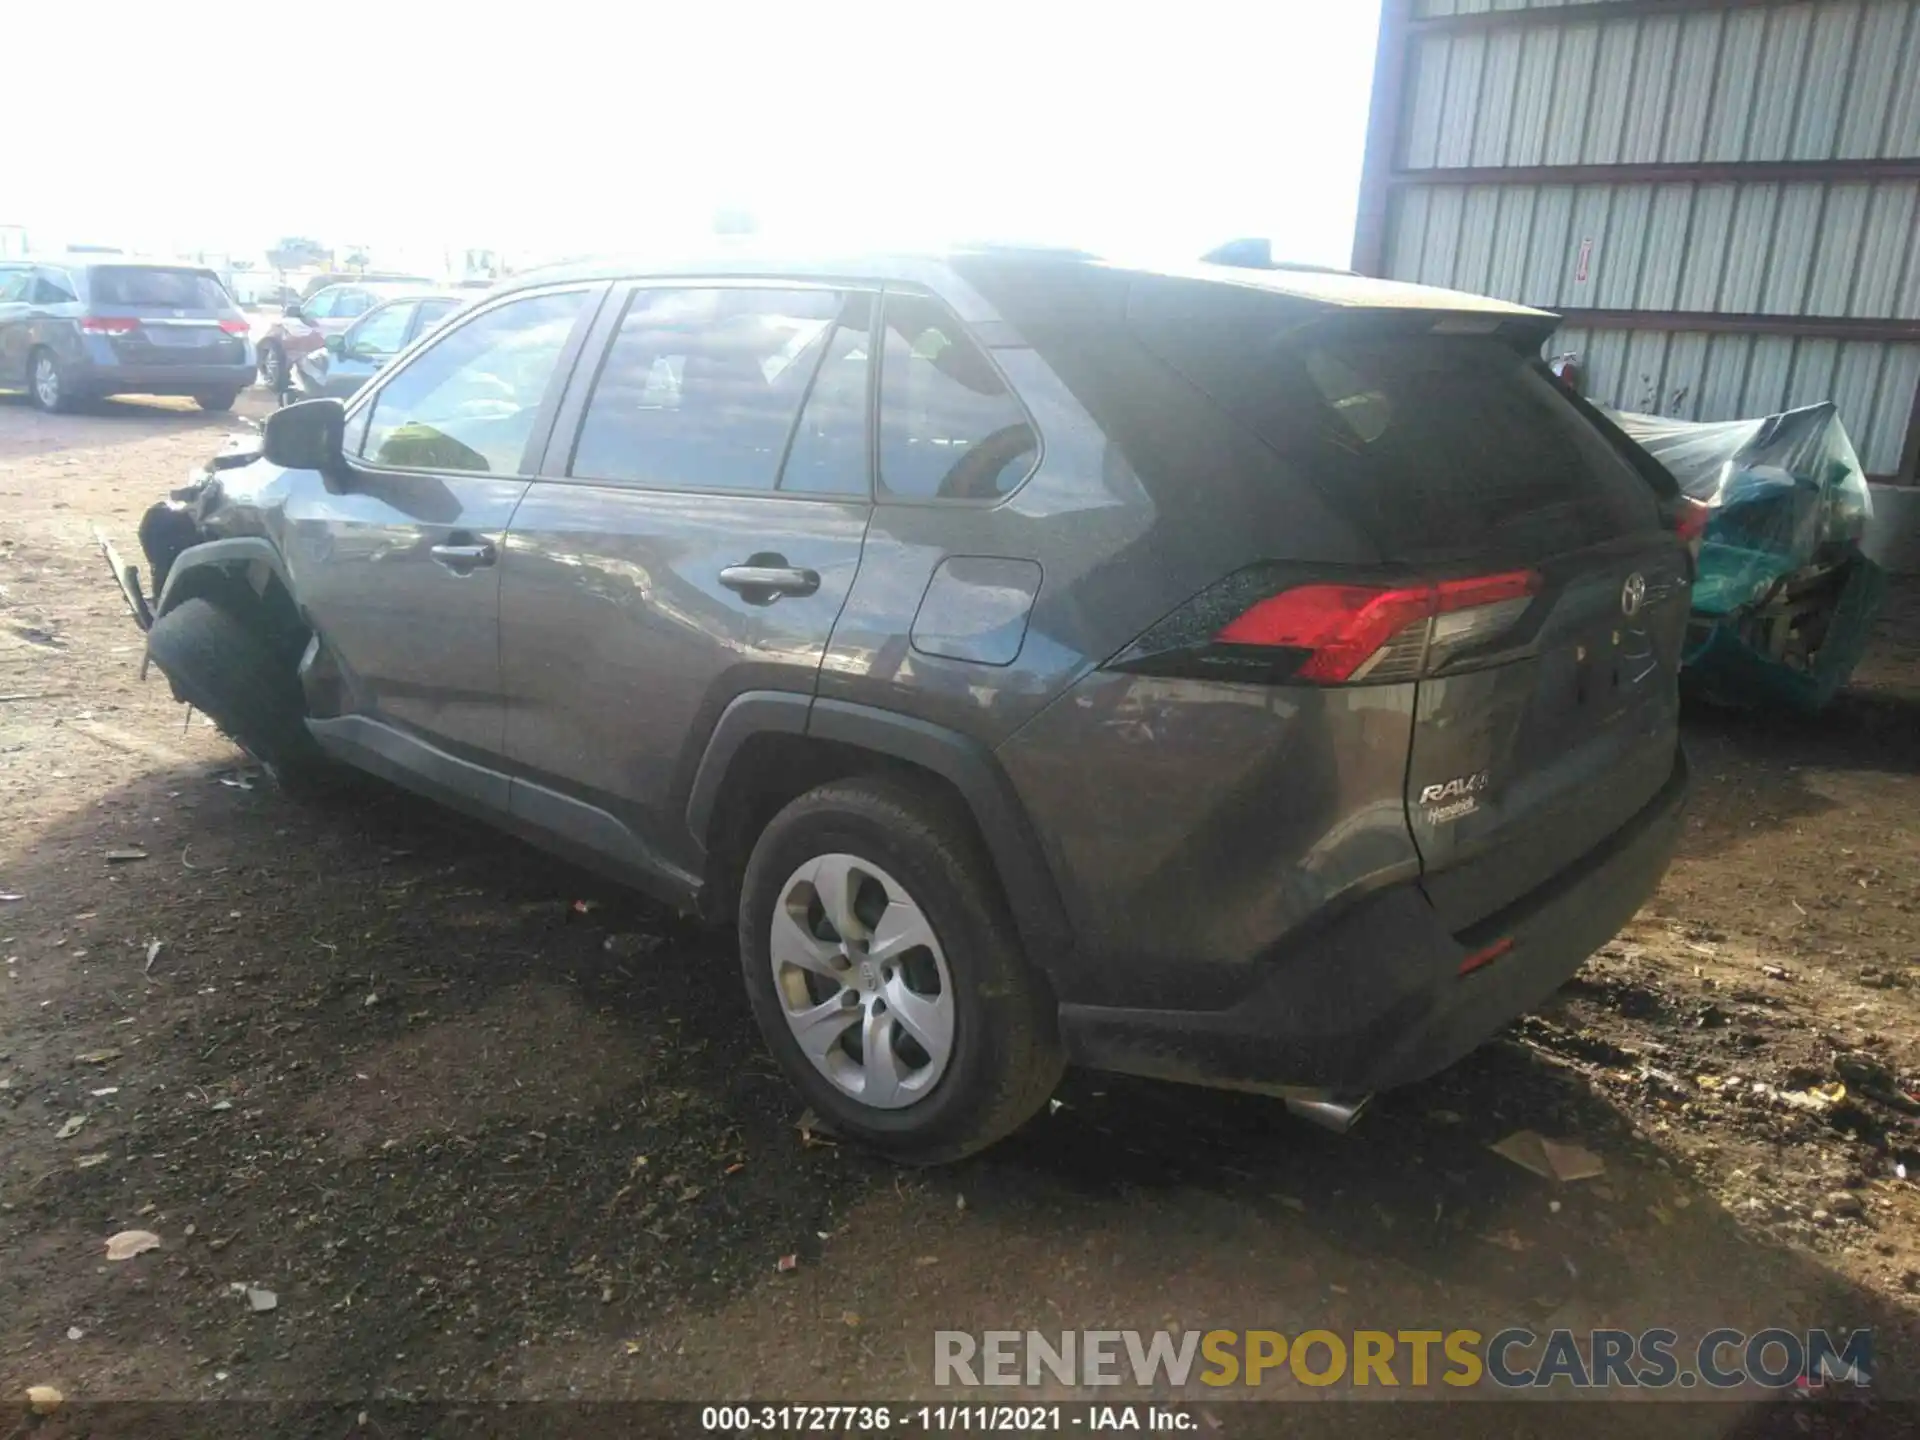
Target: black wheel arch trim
[(757, 712), (1021, 865), (236, 550)]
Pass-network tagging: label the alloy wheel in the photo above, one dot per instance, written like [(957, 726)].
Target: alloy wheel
[(46, 382), (862, 981)]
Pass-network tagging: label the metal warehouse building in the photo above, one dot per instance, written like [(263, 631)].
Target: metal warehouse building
[(1721, 196)]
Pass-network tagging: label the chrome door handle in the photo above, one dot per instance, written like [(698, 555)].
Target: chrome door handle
[(763, 584), (461, 558)]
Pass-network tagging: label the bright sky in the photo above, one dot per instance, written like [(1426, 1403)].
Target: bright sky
[(551, 128)]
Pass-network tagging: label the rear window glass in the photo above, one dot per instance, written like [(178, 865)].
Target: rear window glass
[(168, 289), (1439, 446)]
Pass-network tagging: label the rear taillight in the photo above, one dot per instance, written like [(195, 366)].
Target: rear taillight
[(1330, 634), (1356, 632), (235, 327), (1690, 518), (108, 325)]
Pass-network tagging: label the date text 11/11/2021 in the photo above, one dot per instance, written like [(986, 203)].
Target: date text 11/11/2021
[(945, 1419)]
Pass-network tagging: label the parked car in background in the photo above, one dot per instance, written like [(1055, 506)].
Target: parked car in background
[(1266, 679), (304, 326), (316, 283), (350, 359), (254, 285), (84, 326)]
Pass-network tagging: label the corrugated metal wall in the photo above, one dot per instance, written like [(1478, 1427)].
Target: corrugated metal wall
[(1695, 376), (1816, 81), (1796, 82), (1843, 248)]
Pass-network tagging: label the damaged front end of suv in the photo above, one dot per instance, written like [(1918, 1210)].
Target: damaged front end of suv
[(220, 618)]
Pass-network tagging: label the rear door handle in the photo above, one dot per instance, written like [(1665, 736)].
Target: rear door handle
[(462, 558), (763, 584)]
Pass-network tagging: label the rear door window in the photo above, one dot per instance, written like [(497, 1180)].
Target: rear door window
[(700, 387), (158, 288), (383, 332), (469, 402), (828, 455), (949, 427), (432, 312)]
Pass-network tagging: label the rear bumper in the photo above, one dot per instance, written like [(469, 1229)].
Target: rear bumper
[(1374, 997), (102, 379)]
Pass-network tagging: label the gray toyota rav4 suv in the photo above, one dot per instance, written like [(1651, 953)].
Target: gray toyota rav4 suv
[(1263, 679)]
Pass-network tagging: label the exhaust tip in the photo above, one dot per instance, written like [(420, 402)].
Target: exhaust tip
[(1327, 1111)]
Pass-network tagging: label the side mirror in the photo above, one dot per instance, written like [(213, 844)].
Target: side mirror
[(337, 344), (310, 435), (291, 311)]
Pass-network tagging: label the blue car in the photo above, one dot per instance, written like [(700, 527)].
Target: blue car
[(350, 359)]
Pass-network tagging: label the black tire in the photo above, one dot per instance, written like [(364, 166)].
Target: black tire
[(216, 399), (1006, 1056), (63, 399), (227, 669), (273, 366)]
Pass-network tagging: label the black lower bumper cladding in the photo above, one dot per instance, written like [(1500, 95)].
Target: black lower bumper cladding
[(1384, 995)]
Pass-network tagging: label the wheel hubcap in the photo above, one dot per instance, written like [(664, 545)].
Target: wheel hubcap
[(862, 981), (46, 381)]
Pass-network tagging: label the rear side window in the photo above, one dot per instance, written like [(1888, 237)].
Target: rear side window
[(949, 427), (470, 400), (51, 290), (1439, 446), (152, 287), (701, 386)]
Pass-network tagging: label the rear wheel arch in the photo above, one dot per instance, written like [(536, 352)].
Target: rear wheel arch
[(768, 749)]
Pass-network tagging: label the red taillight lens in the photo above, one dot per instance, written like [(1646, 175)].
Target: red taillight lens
[(235, 327), (1353, 632), (1690, 518), (108, 324), (1486, 956), (1343, 625)]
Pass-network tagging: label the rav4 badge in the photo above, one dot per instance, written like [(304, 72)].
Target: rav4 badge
[(1451, 799)]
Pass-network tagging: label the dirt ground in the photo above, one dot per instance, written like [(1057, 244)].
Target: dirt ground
[(482, 1141)]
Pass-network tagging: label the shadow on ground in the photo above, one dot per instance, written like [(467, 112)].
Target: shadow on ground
[(385, 1064), (124, 420)]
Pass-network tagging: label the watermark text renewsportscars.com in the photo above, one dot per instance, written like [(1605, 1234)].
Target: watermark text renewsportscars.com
[(1512, 1359)]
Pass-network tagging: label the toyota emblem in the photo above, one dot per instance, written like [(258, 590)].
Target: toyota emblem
[(1633, 595)]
